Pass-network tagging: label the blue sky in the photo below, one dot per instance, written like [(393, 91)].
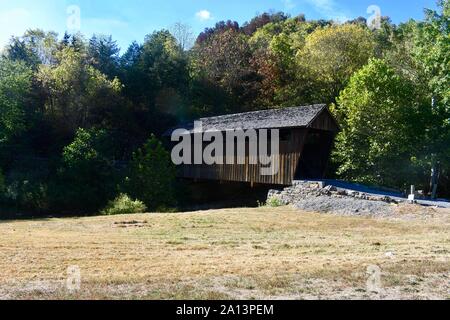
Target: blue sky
[(129, 20)]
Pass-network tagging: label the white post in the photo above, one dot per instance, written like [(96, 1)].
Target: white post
[(412, 196)]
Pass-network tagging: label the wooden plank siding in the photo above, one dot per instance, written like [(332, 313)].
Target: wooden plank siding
[(325, 122), (288, 158)]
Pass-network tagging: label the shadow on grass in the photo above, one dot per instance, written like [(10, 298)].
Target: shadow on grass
[(8, 214), (195, 196)]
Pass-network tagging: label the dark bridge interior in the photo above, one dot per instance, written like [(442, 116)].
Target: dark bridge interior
[(315, 156)]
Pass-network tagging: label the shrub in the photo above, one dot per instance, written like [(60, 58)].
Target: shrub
[(123, 204), (274, 202), (151, 176), (28, 195), (26, 189)]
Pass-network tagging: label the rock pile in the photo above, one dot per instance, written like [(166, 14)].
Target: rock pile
[(314, 196)]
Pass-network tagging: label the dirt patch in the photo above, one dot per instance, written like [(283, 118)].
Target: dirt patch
[(130, 224)]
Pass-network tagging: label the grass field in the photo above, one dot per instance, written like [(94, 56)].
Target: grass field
[(263, 253)]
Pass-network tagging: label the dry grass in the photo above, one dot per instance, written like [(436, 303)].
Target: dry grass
[(238, 253)]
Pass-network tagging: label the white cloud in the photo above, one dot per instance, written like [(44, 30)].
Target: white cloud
[(329, 9), (289, 4), (203, 15)]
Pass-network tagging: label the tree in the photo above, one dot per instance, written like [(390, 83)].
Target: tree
[(103, 54), (220, 27), (86, 176), (152, 175), (275, 46), (65, 41), (17, 50), (384, 37), (432, 48), (131, 74), (34, 47), (2, 185), (15, 89), (158, 65), (261, 20), (78, 43), (419, 52), (156, 80), (332, 54), (382, 128), (75, 91), (184, 35), (431, 55), (131, 56), (224, 61), (163, 62)]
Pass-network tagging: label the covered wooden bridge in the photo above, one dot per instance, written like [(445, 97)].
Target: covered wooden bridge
[(306, 139)]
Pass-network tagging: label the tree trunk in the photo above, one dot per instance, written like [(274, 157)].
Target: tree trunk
[(435, 172)]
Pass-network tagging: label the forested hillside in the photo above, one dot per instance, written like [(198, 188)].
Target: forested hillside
[(81, 121)]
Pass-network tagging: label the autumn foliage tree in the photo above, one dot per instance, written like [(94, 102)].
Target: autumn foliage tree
[(224, 60), (332, 54)]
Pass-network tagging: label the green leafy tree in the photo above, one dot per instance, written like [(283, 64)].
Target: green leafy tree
[(152, 175), (431, 55), (15, 89), (384, 37), (420, 53), (75, 91), (382, 127), (86, 177), (156, 80), (432, 51), (163, 64), (103, 54), (35, 47)]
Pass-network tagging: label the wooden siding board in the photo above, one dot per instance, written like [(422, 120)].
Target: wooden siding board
[(290, 153)]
